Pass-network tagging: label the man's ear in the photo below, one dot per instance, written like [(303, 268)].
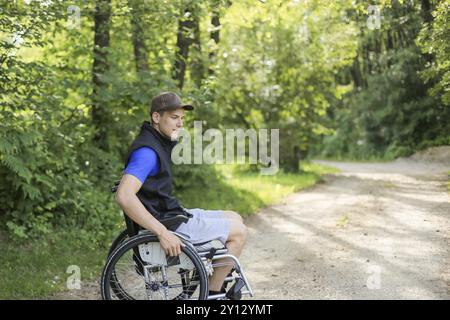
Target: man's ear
[(155, 117)]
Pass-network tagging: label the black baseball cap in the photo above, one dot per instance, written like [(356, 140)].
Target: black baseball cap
[(166, 101)]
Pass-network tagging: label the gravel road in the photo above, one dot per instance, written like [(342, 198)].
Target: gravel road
[(374, 231)]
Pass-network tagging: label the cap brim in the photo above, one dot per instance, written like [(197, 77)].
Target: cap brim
[(188, 107), (184, 106)]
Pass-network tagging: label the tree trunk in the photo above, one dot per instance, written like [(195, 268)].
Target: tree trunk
[(426, 11), (428, 19), (102, 19), (140, 49), (215, 33), (197, 67), (296, 159), (185, 37), (356, 72), (215, 36)]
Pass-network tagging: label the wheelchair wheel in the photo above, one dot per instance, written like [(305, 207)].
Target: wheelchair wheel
[(139, 269), (118, 240)]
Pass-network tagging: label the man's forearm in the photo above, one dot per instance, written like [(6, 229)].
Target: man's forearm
[(134, 209)]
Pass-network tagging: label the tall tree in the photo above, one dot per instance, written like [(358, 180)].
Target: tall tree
[(102, 21), (140, 49), (196, 65), (215, 36), (216, 6), (426, 9), (186, 27)]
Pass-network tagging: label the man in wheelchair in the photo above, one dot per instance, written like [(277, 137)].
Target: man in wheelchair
[(145, 191)]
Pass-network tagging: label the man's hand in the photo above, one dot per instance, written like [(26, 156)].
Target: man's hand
[(170, 243)]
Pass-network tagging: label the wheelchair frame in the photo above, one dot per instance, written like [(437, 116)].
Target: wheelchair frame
[(207, 253)]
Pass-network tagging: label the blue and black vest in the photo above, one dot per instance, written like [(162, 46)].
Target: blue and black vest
[(156, 191)]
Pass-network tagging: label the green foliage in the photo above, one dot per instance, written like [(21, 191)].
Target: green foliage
[(311, 69), (390, 112), (434, 40), (278, 68), (46, 165)]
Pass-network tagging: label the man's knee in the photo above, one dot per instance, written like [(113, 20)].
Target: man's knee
[(233, 215), (238, 232)]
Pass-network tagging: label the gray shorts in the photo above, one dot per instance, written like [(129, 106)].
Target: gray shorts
[(205, 226)]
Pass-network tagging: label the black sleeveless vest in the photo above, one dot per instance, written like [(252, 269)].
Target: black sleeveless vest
[(156, 191)]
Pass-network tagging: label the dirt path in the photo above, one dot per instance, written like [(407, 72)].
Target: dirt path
[(374, 231)]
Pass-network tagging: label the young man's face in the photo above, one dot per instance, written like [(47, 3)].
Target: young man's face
[(169, 123)]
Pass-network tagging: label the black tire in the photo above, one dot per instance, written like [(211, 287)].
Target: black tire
[(123, 276), (122, 237), (118, 240)]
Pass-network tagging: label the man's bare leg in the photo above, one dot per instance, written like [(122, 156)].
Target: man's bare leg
[(235, 243)]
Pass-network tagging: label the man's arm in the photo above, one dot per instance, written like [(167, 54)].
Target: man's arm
[(133, 207)]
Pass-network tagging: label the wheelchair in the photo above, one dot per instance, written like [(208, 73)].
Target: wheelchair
[(137, 267)]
